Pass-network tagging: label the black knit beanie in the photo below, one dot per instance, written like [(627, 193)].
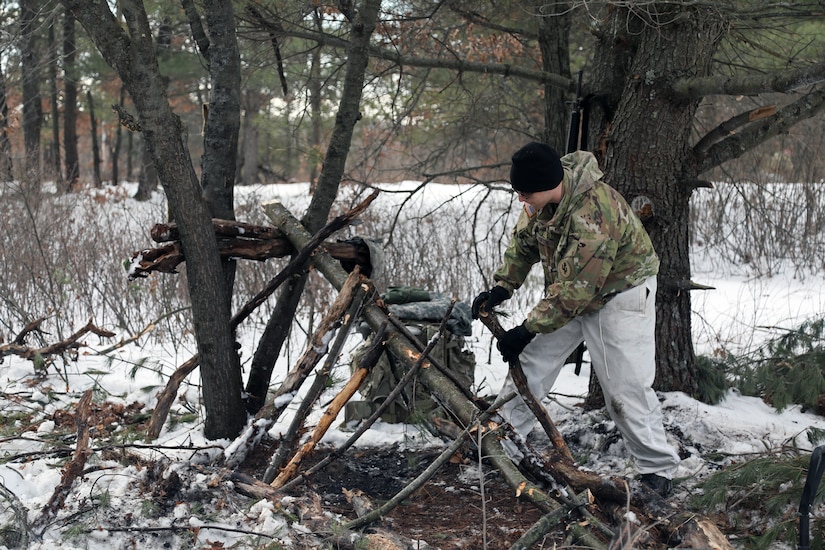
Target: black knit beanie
[(536, 167)]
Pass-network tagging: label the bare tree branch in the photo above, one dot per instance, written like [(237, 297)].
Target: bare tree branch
[(784, 81), (452, 64), (760, 131)]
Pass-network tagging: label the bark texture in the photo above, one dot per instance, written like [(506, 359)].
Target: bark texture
[(635, 88), (132, 55), (277, 327)]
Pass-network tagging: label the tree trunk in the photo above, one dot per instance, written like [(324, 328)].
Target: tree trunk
[(54, 157), (272, 339), (222, 124), (6, 165), (252, 103), (133, 57), (70, 100), (32, 110), (554, 42), (649, 170), (314, 86), (96, 181), (115, 149), (147, 175)]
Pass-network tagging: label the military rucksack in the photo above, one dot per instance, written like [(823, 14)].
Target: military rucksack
[(421, 312)]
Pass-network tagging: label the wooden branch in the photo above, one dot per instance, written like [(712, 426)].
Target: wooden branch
[(74, 468), (297, 263), (696, 184), (733, 146), (371, 357), (324, 423), (167, 258), (732, 124), (323, 379), (166, 232), (490, 321), (315, 350), (168, 395), (451, 63), (781, 81), (687, 284), (20, 339), (72, 342)]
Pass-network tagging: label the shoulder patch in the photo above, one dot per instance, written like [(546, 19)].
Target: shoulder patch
[(565, 269)]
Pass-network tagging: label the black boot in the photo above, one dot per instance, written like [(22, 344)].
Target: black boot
[(659, 484)]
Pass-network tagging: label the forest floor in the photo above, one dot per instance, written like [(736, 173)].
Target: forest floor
[(448, 512)]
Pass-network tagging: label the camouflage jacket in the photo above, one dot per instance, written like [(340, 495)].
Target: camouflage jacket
[(591, 246)]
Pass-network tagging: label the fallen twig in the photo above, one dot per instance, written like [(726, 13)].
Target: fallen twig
[(74, 468), (57, 348)]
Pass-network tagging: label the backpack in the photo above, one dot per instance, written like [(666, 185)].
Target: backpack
[(421, 312)]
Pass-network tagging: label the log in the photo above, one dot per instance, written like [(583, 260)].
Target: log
[(166, 232), (167, 258)]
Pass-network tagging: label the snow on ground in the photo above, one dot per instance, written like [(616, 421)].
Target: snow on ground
[(117, 500)]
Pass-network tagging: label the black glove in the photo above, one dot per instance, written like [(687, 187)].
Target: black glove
[(489, 299), (513, 342)]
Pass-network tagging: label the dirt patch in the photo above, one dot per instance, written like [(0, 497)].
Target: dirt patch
[(447, 512)]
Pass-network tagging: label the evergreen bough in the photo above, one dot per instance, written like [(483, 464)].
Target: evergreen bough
[(786, 370)]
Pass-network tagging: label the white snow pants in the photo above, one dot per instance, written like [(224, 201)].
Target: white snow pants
[(620, 339)]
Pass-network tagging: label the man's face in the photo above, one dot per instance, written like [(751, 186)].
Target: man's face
[(540, 199)]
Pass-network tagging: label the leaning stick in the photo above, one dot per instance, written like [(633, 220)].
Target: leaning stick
[(411, 373), (489, 320), (322, 381), (167, 397), (330, 414)]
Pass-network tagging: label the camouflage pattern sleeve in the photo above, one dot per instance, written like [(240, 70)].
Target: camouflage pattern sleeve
[(581, 273), (521, 254)]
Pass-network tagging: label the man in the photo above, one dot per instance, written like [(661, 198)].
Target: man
[(600, 287)]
